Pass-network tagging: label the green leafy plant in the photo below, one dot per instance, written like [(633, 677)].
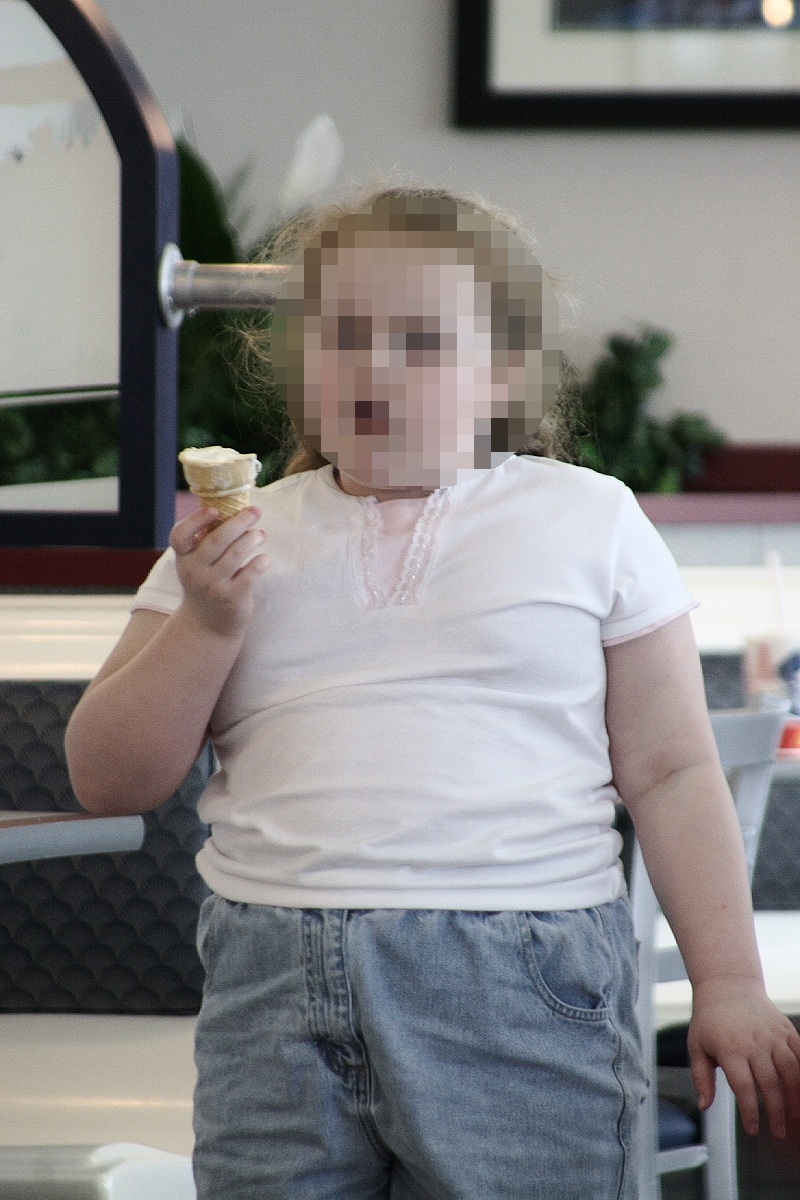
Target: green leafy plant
[(42, 442), (620, 438)]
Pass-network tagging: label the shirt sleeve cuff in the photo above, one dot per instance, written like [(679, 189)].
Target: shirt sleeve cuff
[(628, 637)]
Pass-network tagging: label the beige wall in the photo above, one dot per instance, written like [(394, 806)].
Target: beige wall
[(694, 232)]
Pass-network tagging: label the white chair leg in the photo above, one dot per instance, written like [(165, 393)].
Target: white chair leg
[(719, 1134), (649, 1186), (649, 1178)]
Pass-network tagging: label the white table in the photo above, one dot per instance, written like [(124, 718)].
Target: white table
[(778, 936), (72, 1078)]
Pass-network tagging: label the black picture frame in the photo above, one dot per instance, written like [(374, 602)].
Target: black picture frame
[(149, 192), (477, 104)]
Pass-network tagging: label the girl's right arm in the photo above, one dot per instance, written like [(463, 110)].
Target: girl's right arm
[(143, 720)]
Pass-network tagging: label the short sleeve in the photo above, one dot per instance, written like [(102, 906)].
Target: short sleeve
[(648, 589), (161, 590)]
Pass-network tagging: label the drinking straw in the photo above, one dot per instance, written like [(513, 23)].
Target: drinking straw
[(773, 562)]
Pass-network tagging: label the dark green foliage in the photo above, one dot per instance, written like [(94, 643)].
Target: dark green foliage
[(207, 234), (620, 438), (43, 442)]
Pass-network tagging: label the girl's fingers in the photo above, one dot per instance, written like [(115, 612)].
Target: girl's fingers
[(743, 1086), (774, 1082), (777, 1077), (222, 539), (772, 1092), (238, 553), (186, 535), (788, 1068), (253, 570), (703, 1077), (207, 539)]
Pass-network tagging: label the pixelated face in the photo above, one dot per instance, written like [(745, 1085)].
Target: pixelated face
[(403, 384)]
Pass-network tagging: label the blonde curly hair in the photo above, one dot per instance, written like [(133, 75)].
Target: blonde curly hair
[(524, 308)]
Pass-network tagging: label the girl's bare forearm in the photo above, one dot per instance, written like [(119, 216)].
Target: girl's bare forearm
[(134, 735), (692, 846)]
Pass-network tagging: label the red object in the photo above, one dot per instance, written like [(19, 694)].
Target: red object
[(749, 468), (88, 567), (791, 735)]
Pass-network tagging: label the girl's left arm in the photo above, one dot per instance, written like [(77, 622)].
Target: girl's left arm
[(667, 771)]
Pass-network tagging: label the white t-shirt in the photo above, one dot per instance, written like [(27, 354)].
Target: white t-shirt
[(425, 728)]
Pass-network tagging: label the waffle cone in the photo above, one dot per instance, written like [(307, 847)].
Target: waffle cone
[(227, 503)]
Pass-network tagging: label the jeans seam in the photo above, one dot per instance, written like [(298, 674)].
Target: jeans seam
[(616, 1067), (306, 957), (327, 983), (623, 1111)]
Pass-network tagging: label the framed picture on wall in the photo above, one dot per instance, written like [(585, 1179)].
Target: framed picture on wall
[(627, 64)]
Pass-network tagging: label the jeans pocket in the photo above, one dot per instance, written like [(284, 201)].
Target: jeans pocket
[(570, 961)]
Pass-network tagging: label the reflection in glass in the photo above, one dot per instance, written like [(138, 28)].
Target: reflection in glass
[(59, 266)]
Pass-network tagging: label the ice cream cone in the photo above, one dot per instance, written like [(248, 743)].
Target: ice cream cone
[(227, 504), (220, 477)]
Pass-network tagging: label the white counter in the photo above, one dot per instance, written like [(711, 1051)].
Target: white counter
[(737, 602), (58, 637), (70, 1078), (778, 936)]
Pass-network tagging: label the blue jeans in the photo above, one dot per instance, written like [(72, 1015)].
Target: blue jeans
[(404, 1054)]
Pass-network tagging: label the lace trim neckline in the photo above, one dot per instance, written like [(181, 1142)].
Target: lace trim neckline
[(417, 557)]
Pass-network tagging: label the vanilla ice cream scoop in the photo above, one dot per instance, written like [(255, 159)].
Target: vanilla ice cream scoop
[(221, 477)]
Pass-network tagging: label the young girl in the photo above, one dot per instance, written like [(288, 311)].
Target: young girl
[(425, 699)]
